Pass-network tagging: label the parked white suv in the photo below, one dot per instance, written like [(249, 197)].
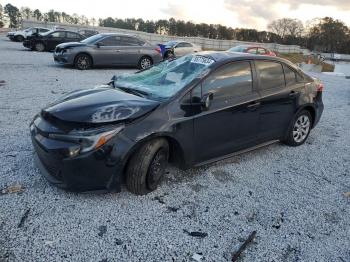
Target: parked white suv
[(20, 36)]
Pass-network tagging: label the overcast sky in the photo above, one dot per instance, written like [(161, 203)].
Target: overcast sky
[(235, 13)]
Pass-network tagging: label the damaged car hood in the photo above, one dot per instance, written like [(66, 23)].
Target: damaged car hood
[(99, 105)]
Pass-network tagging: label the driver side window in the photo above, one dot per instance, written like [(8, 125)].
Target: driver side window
[(229, 83), (180, 45), (111, 41)]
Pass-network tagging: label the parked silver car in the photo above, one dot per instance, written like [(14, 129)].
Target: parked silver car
[(108, 50), (180, 48)]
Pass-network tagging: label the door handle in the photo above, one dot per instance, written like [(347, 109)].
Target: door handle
[(118, 50), (293, 94), (253, 105)]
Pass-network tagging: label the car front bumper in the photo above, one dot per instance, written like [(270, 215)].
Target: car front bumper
[(100, 169), (27, 43), (63, 58)]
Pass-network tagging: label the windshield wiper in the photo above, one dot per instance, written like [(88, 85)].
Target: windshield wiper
[(133, 91)]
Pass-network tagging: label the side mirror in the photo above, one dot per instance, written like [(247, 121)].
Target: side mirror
[(206, 101), (98, 44)]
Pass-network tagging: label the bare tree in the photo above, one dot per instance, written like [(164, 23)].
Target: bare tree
[(37, 14), (26, 13), (287, 27)]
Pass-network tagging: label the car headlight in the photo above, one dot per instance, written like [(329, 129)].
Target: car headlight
[(66, 51), (87, 140)]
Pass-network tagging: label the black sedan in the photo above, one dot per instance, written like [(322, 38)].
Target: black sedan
[(193, 110), (49, 40)]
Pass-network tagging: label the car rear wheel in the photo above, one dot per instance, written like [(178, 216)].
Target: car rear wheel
[(19, 38), (83, 62), (40, 47), (147, 166), (300, 129), (145, 62)]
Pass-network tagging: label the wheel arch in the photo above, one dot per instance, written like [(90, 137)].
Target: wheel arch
[(311, 109), (176, 152)]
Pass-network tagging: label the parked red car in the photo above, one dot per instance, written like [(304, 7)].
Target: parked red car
[(256, 50)]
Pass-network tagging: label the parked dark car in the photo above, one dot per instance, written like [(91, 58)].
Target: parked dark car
[(108, 50), (192, 110), (87, 32), (49, 40), (252, 49)]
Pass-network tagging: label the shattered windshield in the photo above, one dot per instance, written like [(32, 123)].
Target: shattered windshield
[(92, 39), (165, 79)]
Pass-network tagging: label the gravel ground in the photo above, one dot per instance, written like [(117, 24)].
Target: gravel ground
[(293, 197)]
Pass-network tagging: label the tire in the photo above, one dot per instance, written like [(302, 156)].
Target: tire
[(145, 62), (300, 129), (83, 62), (168, 55), (39, 46), (19, 38), (147, 167)]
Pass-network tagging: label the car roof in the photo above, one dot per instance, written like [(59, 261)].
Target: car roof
[(118, 34), (62, 30), (249, 46), (222, 57)]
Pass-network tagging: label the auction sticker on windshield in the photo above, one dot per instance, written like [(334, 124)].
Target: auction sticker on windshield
[(202, 60)]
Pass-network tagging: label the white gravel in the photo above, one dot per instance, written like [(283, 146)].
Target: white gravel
[(293, 197)]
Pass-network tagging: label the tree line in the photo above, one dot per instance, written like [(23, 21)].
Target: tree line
[(324, 34)]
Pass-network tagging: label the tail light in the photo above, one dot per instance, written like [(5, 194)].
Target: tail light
[(320, 87), (158, 50)]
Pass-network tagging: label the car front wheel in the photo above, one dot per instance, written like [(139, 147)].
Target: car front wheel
[(40, 47), (19, 38), (83, 62), (300, 129), (147, 166)]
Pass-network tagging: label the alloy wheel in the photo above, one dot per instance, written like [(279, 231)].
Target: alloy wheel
[(83, 62), (301, 128), (39, 47), (156, 168), (145, 63)]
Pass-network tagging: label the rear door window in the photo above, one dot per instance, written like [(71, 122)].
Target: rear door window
[(271, 74), (58, 34), (131, 41), (290, 75), (73, 35)]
